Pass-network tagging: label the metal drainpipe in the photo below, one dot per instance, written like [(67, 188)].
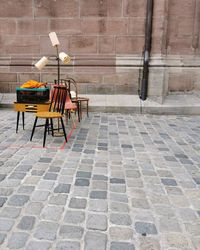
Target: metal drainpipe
[(147, 50)]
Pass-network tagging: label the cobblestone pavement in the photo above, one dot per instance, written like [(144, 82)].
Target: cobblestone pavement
[(122, 182)]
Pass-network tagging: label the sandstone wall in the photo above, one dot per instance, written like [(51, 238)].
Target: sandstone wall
[(105, 39)]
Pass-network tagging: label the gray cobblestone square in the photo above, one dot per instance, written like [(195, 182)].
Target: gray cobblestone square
[(121, 182)]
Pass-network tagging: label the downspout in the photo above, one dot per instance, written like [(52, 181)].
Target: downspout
[(147, 50), (195, 41)]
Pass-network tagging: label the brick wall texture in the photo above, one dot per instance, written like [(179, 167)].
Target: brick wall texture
[(105, 39)]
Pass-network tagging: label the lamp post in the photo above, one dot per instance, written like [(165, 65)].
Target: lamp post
[(58, 63)]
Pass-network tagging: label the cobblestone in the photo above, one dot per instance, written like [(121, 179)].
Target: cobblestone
[(34, 208), (2, 237), (98, 205), (169, 182), (119, 207), (6, 224), (71, 245), (169, 225), (2, 177), (80, 191), (145, 228), (121, 246), (140, 203), (96, 222), (62, 188), (71, 232), (10, 212), (77, 203), (26, 223), (40, 195), (119, 197), (118, 188), (2, 201), (74, 217), (26, 189), (38, 245), (176, 241), (58, 199), (53, 213), (120, 219), (82, 182), (94, 240), (117, 180), (98, 195), (17, 240), (149, 243), (18, 200), (46, 231), (121, 182), (17, 175), (120, 233)]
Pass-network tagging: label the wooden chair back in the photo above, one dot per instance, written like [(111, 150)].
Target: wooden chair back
[(58, 99)]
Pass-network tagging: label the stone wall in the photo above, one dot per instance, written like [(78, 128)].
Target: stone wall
[(105, 39)]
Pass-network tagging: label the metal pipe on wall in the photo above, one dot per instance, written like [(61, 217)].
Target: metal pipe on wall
[(147, 50)]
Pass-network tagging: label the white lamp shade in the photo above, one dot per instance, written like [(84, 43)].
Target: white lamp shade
[(54, 39), (64, 57), (42, 63)]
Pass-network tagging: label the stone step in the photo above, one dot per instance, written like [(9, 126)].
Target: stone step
[(179, 104)]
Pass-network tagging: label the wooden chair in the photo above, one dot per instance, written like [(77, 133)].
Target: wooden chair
[(70, 107), (75, 98), (56, 111)]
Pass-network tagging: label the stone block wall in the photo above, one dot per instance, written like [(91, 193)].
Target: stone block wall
[(105, 39)]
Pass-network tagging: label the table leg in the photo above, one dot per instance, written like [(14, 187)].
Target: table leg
[(23, 120), (17, 125)]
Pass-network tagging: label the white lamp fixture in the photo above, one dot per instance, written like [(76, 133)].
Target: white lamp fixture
[(54, 39), (42, 63), (64, 57), (60, 56)]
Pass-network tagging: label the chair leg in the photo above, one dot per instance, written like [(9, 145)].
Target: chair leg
[(33, 130), (63, 127), (87, 109), (17, 125), (48, 128), (23, 120), (73, 122), (78, 109), (45, 131), (52, 132), (66, 115), (58, 126)]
